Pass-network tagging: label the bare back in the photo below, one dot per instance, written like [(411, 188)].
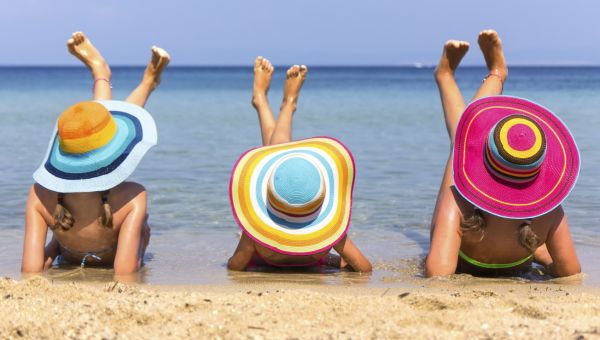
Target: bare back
[(88, 235), (498, 242)]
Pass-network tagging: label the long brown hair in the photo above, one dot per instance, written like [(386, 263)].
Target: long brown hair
[(476, 223), (64, 220)]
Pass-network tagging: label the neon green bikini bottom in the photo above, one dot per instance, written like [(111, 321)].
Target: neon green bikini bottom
[(492, 265)]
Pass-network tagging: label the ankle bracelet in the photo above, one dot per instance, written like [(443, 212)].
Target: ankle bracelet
[(494, 73), (103, 79)]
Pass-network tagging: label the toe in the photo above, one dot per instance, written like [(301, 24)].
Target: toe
[(79, 37), (303, 70)]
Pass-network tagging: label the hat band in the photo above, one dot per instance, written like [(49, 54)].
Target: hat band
[(295, 210), (509, 175)]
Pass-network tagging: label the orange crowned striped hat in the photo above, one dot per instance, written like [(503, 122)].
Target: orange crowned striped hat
[(95, 146), (294, 198)]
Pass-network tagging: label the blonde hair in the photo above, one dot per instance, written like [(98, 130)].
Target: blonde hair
[(64, 220)]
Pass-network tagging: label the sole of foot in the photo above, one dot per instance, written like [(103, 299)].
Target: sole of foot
[(294, 80), (81, 47), (491, 47), (452, 54), (263, 72)]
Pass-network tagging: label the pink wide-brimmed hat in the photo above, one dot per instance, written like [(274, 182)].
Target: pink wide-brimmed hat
[(513, 158)]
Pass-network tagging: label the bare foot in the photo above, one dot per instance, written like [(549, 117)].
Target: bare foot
[(158, 62), (263, 71), (491, 47), (81, 47), (454, 51), (293, 83)]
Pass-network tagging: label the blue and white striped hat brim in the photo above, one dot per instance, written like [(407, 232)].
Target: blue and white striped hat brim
[(106, 167)]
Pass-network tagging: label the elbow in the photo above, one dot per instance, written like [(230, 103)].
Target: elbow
[(233, 265), (360, 268), (564, 272), (125, 269), (433, 269), (366, 268), (29, 269)]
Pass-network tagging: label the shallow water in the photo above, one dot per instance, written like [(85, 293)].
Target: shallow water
[(390, 118)]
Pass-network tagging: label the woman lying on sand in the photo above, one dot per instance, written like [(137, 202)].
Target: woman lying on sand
[(95, 217), (511, 164), (292, 199)]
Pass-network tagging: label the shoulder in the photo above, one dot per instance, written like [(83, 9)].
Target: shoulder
[(128, 188), (127, 194), (552, 219), (465, 207), (41, 198)]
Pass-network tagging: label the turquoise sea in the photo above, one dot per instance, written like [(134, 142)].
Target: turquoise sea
[(389, 117)]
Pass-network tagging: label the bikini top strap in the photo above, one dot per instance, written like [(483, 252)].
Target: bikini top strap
[(105, 196)]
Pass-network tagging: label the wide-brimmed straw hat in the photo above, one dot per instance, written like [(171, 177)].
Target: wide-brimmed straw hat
[(513, 158), (95, 146), (294, 198)]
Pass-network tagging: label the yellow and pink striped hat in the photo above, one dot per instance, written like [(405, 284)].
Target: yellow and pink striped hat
[(294, 198)]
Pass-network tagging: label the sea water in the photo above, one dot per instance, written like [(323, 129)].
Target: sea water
[(389, 117)]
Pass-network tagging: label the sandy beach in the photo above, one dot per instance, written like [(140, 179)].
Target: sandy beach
[(39, 308)]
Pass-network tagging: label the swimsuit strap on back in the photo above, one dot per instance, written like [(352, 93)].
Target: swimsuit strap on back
[(492, 265)]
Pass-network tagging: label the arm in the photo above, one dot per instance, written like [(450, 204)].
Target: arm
[(35, 258), (560, 247), (352, 256), (542, 256), (445, 244), (445, 230), (128, 258), (243, 254)]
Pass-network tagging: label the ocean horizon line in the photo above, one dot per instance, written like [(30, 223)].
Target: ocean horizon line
[(332, 66)]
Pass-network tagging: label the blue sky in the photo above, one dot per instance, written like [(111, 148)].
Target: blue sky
[(319, 32)]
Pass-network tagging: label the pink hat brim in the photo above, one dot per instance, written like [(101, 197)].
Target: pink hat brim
[(557, 176)]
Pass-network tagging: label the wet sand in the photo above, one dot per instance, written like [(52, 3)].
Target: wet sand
[(451, 308)]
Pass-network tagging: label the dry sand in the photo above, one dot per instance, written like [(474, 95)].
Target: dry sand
[(38, 308)]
